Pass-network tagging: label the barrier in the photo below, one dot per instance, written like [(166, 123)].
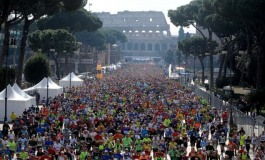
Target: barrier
[(242, 120)]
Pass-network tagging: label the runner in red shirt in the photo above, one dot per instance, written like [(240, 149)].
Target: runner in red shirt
[(46, 156)]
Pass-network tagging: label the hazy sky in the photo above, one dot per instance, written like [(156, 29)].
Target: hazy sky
[(114, 6)]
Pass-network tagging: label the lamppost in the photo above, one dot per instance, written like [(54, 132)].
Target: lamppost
[(231, 120), (13, 44), (194, 62), (5, 118), (115, 50), (185, 69), (70, 81), (64, 53), (70, 87), (194, 58), (47, 99), (199, 50), (208, 82), (86, 67), (224, 53), (16, 35), (179, 67)]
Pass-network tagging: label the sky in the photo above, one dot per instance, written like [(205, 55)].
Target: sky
[(114, 6)]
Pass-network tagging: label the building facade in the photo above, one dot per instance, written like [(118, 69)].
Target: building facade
[(147, 32)]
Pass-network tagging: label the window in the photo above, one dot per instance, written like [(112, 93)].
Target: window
[(142, 46), (164, 47), (150, 47), (136, 47), (129, 46), (157, 47)]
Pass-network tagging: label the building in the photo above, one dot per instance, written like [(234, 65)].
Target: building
[(147, 32)]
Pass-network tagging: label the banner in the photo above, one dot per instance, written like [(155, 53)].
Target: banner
[(99, 71)]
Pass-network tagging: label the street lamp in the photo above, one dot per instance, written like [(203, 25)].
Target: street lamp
[(194, 49), (13, 43), (70, 87), (194, 58), (231, 120), (47, 99), (116, 50), (230, 79), (5, 118), (86, 67), (16, 36), (185, 70), (224, 52), (208, 82)]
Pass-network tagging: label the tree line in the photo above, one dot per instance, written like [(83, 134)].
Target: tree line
[(240, 28), (51, 24), (238, 25)]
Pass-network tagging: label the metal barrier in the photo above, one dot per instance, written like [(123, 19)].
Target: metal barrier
[(244, 121), (259, 128), (249, 124)]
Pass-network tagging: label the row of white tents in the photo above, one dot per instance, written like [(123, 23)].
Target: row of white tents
[(75, 81), (53, 88), (18, 100)]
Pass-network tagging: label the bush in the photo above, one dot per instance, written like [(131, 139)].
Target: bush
[(256, 96), (221, 82), (36, 68)]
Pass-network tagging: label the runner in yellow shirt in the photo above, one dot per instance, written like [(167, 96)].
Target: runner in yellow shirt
[(12, 145), (13, 116), (23, 154)]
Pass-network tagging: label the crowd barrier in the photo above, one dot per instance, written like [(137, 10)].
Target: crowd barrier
[(242, 120)]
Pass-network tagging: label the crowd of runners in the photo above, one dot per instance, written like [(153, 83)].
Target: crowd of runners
[(134, 113)]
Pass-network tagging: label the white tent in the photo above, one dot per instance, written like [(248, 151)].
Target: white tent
[(24, 94), (75, 81), (41, 87), (15, 102)]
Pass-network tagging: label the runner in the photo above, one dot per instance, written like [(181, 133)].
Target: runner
[(134, 112)]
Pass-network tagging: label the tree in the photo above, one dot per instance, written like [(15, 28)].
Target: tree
[(10, 77), (95, 39), (244, 20), (169, 57), (98, 40), (114, 36), (73, 21), (70, 5), (196, 14), (61, 40), (36, 68), (32, 10), (9, 16), (197, 46), (181, 34)]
